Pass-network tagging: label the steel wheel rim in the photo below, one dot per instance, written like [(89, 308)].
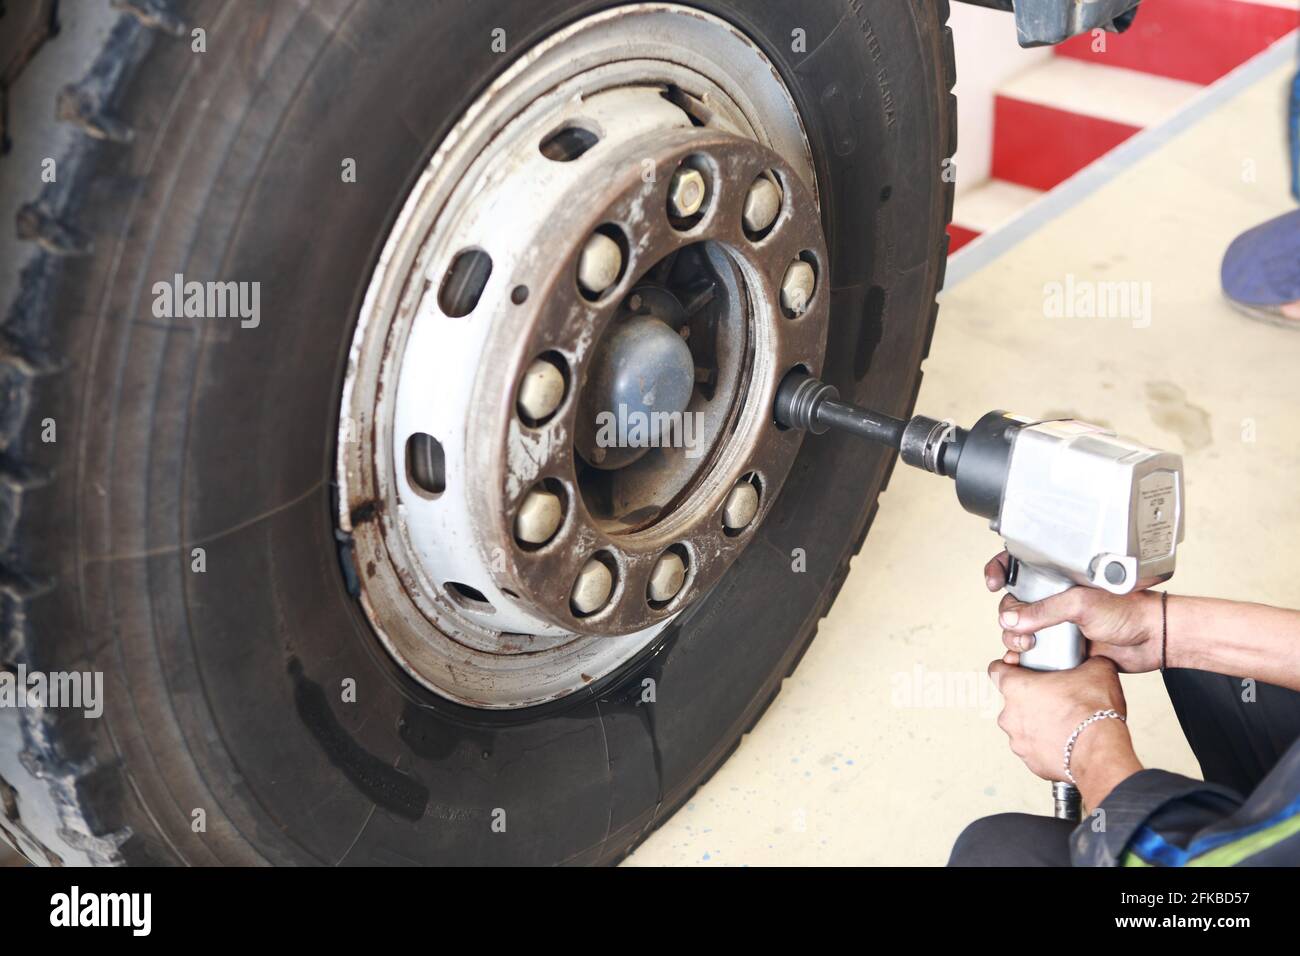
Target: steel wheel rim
[(525, 650)]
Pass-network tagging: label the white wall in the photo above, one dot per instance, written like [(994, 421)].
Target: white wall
[(987, 56)]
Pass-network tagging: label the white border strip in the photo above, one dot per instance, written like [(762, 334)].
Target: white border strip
[(992, 246)]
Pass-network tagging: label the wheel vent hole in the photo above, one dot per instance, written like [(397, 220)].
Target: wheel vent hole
[(692, 106), (469, 597), (464, 282), (567, 144), (426, 465)]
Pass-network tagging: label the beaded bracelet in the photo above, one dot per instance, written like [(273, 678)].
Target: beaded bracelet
[(1069, 744)]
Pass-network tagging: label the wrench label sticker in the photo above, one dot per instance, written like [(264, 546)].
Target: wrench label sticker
[(1157, 514)]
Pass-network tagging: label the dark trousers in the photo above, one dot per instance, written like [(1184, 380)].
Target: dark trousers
[(1235, 741)]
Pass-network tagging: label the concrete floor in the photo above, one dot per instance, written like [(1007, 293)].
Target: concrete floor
[(883, 745)]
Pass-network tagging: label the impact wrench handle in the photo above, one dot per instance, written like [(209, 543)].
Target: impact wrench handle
[(1056, 648)]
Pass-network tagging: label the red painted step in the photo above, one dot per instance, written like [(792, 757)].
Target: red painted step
[(959, 236), (1040, 146), (1193, 40)]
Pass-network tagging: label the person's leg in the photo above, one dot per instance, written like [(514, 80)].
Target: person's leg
[(1261, 271), (1237, 728), (1013, 839)]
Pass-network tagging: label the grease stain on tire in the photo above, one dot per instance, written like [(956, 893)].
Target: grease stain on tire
[(391, 789)]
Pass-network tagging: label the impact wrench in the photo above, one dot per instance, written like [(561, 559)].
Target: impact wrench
[(1075, 503)]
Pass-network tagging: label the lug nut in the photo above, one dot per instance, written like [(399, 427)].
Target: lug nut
[(797, 287), (539, 517), (686, 193), (741, 506), (600, 263), (592, 588), (541, 391), (762, 204), (667, 578)]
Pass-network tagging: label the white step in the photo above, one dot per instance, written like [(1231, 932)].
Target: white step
[(1105, 92), (992, 204), (1284, 4)]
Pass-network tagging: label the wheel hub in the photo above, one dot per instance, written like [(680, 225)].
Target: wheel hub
[(642, 367), (557, 429)]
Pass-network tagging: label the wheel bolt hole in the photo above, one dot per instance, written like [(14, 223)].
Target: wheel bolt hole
[(799, 285), (602, 262), (668, 577), (540, 515), (594, 586), (762, 207), (799, 370), (543, 389), (741, 507), (689, 193)]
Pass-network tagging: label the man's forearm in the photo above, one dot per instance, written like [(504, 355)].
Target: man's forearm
[(1227, 637)]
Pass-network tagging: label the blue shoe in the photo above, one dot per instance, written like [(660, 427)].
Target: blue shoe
[(1261, 270)]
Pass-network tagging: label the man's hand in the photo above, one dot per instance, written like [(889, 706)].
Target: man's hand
[(1044, 707), (1124, 628)]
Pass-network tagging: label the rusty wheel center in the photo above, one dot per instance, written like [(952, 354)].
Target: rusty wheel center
[(662, 386), (557, 429)]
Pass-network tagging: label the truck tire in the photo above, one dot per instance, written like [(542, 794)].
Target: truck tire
[(168, 489)]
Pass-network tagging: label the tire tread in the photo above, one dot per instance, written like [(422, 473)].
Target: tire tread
[(57, 807)]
